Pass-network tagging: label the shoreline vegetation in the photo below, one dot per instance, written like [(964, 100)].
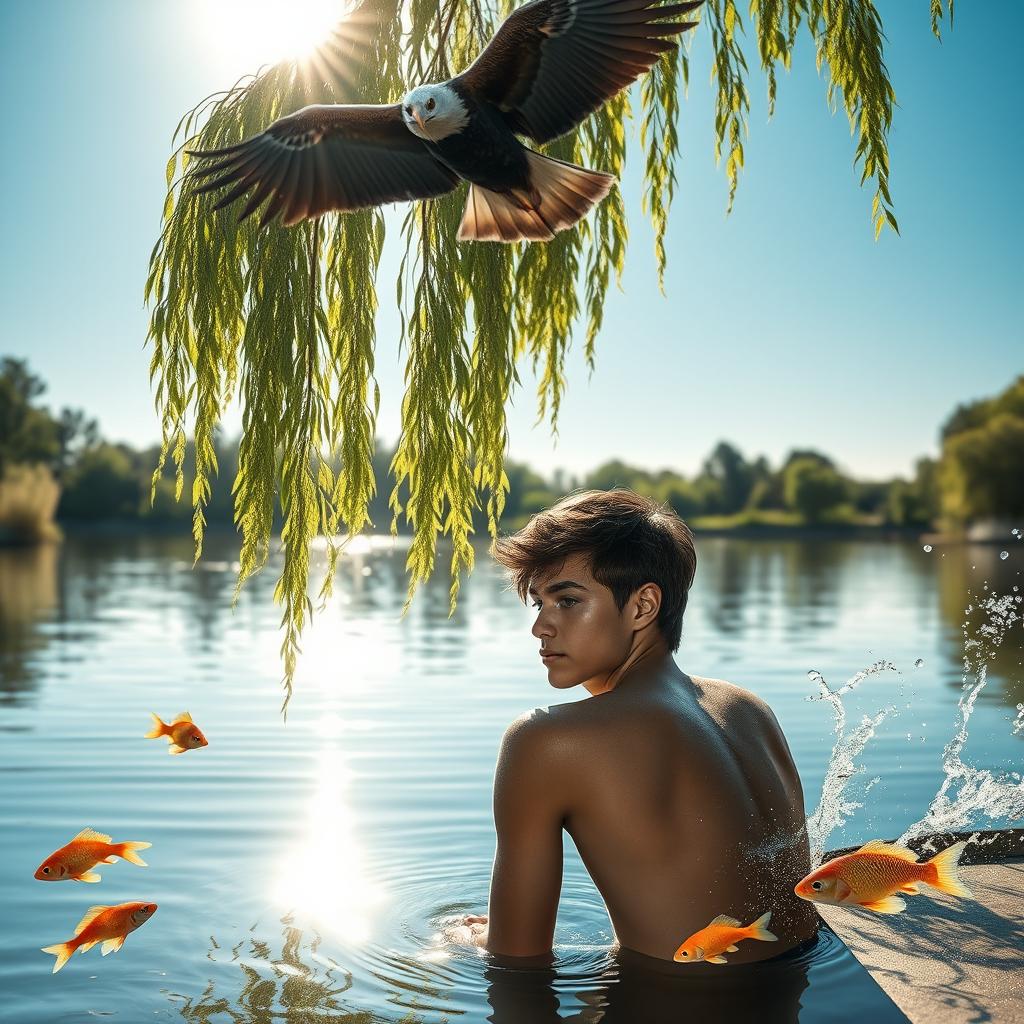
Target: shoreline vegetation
[(58, 475)]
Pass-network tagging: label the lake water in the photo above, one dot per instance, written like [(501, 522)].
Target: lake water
[(301, 868)]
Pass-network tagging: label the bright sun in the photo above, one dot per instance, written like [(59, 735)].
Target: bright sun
[(243, 35)]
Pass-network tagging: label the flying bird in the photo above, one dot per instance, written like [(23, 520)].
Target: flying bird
[(550, 64)]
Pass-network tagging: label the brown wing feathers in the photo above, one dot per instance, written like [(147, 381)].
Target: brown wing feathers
[(553, 62), (325, 157)]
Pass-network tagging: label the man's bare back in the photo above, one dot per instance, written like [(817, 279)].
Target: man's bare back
[(686, 804)]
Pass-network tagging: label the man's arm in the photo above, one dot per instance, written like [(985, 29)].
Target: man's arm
[(529, 810)]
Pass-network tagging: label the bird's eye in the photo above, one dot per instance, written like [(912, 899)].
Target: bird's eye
[(408, 110), (817, 886), (430, 104)]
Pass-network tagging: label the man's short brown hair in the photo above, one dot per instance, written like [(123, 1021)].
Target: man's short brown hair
[(630, 540)]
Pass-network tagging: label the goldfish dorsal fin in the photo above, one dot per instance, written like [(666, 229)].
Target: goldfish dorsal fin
[(90, 914), (889, 850), (183, 717), (726, 920), (92, 835)]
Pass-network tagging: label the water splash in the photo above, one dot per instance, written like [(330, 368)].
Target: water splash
[(835, 806), (968, 792)]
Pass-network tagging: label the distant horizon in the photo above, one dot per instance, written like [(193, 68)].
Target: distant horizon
[(785, 325)]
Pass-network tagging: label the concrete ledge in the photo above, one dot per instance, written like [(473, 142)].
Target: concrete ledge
[(946, 959)]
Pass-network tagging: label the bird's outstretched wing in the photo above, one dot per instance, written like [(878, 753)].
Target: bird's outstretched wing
[(326, 157), (553, 62)]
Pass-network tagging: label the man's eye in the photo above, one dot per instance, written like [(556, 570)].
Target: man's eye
[(536, 604)]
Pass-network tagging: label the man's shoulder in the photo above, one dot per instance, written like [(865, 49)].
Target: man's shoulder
[(730, 696), (549, 732)]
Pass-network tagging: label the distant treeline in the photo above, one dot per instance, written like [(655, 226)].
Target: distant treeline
[(60, 467)]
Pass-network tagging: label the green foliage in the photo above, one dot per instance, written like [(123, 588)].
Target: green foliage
[(972, 415), (813, 489), (937, 15), (982, 471), (27, 433), (103, 484), (735, 476), (286, 316), (848, 37)]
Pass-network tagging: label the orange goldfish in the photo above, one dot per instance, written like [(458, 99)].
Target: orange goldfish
[(182, 734), (721, 937), (84, 852), (876, 872), (109, 925)]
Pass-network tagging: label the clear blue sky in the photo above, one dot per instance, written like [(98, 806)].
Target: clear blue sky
[(785, 324)]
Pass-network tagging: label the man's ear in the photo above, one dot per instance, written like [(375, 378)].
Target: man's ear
[(647, 600)]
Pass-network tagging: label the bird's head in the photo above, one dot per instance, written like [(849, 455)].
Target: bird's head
[(433, 112)]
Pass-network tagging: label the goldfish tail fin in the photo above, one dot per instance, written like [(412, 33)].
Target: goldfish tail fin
[(759, 929), (159, 728), (945, 877), (62, 951), (127, 852)]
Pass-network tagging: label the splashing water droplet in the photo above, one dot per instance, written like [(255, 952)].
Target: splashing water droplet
[(927, 547), (833, 808), (918, 664), (1004, 555)]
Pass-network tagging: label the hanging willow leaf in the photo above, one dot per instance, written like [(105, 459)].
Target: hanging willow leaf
[(285, 317)]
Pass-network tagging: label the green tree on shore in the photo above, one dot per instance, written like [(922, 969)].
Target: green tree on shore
[(981, 471)]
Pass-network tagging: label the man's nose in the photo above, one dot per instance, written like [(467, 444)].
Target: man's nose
[(541, 628)]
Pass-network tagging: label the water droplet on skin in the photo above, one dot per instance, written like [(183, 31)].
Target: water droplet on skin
[(927, 547), (1004, 555), (918, 663)]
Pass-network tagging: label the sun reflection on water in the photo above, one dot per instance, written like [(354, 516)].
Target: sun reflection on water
[(324, 879)]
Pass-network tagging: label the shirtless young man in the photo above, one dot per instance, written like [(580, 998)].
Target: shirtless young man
[(679, 792)]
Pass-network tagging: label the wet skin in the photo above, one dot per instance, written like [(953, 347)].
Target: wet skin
[(679, 792)]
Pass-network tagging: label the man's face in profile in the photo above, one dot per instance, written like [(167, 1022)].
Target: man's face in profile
[(579, 622)]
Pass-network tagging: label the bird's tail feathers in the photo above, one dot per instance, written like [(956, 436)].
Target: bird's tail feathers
[(561, 195)]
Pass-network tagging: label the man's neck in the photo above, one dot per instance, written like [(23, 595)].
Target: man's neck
[(649, 666)]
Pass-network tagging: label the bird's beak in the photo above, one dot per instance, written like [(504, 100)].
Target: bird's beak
[(418, 118)]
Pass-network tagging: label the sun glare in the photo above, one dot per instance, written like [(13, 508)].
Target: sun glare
[(243, 35)]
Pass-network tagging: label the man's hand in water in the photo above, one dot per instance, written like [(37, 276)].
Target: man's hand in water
[(471, 930)]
